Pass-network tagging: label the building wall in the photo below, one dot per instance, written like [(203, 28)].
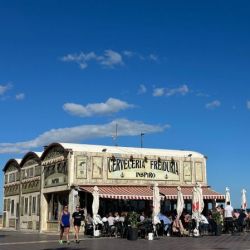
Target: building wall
[(96, 168)]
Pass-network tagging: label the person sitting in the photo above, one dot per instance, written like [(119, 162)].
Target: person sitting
[(204, 225), (177, 227), (111, 222), (166, 223), (142, 216), (89, 225), (241, 221)]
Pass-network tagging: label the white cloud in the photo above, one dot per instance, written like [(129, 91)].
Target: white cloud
[(142, 89), (150, 57), (5, 88), (111, 106), (20, 96), (158, 92), (153, 57), (81, 133), (214, 104), (182, 90), (109, 59), (128, 53), (248, 104)]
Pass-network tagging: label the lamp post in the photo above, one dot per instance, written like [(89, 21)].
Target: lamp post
[(142, 134)]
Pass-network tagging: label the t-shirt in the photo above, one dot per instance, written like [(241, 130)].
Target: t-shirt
[(78, 217), (204, 219), (111, 220), (228, 211)]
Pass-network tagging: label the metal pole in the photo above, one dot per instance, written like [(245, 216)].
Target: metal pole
[(142, 134)]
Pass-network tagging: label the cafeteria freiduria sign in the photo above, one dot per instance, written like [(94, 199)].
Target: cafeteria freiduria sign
[(124, 168)]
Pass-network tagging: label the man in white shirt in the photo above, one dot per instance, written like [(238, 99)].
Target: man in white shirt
[(228, 216), (111, 220)]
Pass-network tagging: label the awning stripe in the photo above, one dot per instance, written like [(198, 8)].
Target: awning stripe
[(208, 193), (146, 192), (122, 192)]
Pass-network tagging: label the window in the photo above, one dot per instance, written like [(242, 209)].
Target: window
[(30, 203), (18, 176), (38, 205), (30, 172), (5, 205), (6, 179), (22, 206), (37, 170), (12, 207), (34, 205), (23, 174), (12, 177), (26, 206)]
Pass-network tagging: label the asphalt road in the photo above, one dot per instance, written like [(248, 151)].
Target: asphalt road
[(16, 241)]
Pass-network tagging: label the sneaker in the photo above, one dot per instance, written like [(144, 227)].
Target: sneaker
[(60, 242), (68, 242), (78, 241)]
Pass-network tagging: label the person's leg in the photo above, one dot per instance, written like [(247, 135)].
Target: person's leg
[(66, 231), (75, 232), (77, 228), (61, 234)]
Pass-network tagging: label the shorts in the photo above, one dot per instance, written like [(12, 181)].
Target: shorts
[(77, 224), (62, 227)]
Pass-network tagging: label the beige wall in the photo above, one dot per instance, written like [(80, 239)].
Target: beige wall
[(190, 170)]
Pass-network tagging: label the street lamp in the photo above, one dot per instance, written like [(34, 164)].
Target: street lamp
[(142, 134)]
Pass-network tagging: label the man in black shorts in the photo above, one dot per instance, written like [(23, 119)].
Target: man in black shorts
[(77, 218)]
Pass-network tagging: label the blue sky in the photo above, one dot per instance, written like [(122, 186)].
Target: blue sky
[(176, 70)]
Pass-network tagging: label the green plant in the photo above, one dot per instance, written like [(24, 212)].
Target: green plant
[(217, 217), (133, 219)]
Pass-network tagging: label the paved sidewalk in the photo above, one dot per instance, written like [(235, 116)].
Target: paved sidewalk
[(18, 240)]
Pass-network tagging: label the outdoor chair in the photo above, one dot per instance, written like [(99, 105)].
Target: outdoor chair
[(105, 229)]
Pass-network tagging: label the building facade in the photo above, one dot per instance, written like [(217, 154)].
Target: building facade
[(37, 186)]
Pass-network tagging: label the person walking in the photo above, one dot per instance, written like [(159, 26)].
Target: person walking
[(77, 219), (64, 224)]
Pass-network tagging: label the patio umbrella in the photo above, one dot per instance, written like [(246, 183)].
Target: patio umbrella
[(156, 203), (197, 206), (243, 199), (228, 199), (180, 202), (95, 204)]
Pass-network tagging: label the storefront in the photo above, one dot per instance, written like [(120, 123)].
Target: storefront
[(124, 176)]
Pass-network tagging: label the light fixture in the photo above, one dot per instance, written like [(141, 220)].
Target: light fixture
[(189, 155), (131, 158), (159, 159), (104, 150)]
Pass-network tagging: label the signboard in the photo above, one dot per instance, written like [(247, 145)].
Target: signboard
[(139, 169), (187, 171), (198, 170), (81, 167), (97, 167)]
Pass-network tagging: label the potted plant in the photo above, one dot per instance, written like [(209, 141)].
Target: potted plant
[(132, 225), (216, 216)]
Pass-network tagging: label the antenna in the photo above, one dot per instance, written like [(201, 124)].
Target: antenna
[(116, 135)]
